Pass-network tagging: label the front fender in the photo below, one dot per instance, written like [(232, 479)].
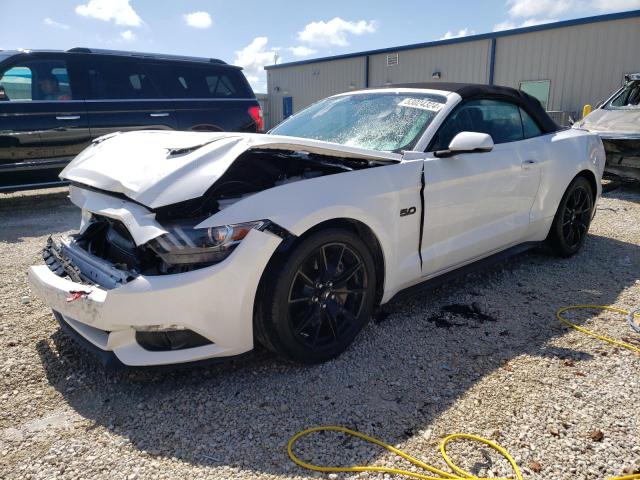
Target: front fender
[(373, 196)]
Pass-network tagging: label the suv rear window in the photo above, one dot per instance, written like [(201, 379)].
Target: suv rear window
[(200, 81), (117, 79)]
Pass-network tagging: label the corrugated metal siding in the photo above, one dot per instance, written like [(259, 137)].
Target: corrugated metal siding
[(584, 63), (463, 62), (312, 82)]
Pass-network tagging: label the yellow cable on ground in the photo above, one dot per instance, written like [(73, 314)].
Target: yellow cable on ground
[(459, 474), (604, 338)]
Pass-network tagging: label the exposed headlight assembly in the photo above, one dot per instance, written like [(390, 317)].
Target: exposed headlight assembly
[(186, 245)]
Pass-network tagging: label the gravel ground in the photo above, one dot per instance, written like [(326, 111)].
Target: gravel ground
[(565, 405)]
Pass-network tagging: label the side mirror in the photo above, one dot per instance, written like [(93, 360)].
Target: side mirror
[(3, 93), (467, 142)]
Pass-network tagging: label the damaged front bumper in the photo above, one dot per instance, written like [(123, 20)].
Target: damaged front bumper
[(108, 309)]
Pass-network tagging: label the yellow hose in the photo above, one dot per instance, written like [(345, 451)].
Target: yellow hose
[(459, 473), (604, 338)]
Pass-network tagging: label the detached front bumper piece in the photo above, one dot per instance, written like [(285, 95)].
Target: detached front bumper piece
[(215, 303), (623, 156)]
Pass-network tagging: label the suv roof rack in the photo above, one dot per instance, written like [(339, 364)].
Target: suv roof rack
[(159, 56)]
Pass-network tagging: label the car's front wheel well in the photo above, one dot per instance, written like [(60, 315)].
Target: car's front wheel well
[(350, 224)]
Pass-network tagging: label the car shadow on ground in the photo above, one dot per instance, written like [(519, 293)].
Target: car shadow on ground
[(45, 213), (241, 414), (624, 189)]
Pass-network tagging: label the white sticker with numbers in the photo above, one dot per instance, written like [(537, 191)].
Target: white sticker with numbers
[(422, 104)]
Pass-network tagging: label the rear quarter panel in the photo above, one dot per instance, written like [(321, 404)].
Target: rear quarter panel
[(562, 155)]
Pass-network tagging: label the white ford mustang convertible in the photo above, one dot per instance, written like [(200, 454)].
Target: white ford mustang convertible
[(195, 246)]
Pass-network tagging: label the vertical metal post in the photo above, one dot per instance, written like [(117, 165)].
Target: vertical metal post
[(492, 60), (366, 71)]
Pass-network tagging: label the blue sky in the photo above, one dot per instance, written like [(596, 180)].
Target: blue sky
[(252, 34)]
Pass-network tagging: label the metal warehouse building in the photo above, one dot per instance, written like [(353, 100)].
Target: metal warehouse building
[(564, 64)]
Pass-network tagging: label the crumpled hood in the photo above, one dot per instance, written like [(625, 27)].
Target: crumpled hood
[(158, 168), (619, 123)]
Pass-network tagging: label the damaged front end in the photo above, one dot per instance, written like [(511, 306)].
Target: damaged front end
[(151, 220), (623, 156), (108, 253), (257, 170), (617, 123)]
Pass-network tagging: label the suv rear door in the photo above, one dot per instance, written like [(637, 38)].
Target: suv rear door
[(43, 120), (208, 96), (122, 96)]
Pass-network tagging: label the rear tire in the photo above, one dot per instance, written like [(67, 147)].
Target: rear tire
[(571, 222), (316, 301)]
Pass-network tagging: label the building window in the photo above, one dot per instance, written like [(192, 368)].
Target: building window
[(538, 89)]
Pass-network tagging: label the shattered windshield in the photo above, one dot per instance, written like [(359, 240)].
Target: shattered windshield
[(387, 122), (629, 97)]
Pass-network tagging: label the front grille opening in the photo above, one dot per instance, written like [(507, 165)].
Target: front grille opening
[(109, 239), (170, 340)]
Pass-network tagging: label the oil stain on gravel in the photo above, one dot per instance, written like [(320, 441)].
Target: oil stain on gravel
[(443, 319)]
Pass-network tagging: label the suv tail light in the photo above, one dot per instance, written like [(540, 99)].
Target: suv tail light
[(256, 114)]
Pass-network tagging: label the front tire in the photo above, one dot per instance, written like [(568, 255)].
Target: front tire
[(316, 301), (572, 220)]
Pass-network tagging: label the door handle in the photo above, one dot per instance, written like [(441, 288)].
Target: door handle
[(528, 164), (68, 117), (162, 114)]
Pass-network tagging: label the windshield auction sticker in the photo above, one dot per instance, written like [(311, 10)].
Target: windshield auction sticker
[(422, 104)]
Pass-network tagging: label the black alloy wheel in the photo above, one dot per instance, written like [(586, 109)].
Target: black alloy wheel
[(327, 295), (573, 217), (314, 302), (577, 216)]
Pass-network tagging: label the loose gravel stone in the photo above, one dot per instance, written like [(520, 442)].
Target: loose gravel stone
[(480, 355)]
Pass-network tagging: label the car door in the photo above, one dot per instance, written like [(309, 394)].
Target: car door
[(477, 203), (123, 97), (43, 120)]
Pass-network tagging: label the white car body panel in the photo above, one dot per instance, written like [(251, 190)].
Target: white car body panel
[(474, 205), (139, 221), (373, 196), (138, 164), (506, 197), (477, 203)]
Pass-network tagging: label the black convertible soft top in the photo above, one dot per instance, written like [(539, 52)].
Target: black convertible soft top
[(470, 91)]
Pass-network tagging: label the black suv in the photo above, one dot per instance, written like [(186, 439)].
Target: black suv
[(52, 104)]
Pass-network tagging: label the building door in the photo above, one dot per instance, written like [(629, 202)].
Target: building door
[(287, 107)]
